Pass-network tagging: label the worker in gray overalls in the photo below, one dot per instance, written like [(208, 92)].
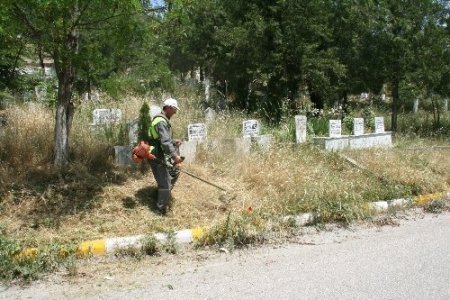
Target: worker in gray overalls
[(165, 149)]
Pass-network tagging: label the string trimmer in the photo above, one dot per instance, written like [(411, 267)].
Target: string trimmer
[(142, 151)]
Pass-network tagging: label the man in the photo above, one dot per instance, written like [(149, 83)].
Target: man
[(165, 149)]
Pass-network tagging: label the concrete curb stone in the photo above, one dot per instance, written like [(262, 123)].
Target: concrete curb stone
[(186, 236)]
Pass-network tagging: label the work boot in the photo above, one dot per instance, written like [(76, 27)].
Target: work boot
[(163, 201)]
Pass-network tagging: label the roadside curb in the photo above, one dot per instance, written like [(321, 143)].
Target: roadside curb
[(103, 246), (379, 206), (186, 236)]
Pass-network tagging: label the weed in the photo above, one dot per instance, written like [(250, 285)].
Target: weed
[(170, 246), (28, 265), (151, 246), (129, 251), (245, 229), (437, 206)]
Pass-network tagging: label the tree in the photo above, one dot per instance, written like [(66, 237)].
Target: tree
[(356, 47), (399, 25), (432, 49), (261, 52), (11, 48), (57, 28)]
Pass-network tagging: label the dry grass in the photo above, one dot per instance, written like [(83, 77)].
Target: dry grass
[(93, 199)]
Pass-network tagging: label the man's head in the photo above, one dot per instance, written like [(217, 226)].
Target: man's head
[(170, 107)]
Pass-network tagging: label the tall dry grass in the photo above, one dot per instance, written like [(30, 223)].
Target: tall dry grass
[(95, 199), (27, 139)]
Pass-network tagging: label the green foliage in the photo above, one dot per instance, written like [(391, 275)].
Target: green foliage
[(170, 246), (144, 122), (347, 123), (317, 126), (369, 118), (422, 124)]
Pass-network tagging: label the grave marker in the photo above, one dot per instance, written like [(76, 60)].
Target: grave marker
[(197, 132), (154, 110), (358, 126), (106, 116), (210, 114), (335, 128), (251, 128), (379, 125), (300, 129)]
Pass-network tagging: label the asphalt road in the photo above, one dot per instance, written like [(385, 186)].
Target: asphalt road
[(409, 261)]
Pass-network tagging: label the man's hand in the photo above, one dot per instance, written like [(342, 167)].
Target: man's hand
[(177, 160)]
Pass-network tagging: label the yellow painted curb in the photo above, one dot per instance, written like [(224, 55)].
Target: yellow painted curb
[(91, 247), (424, 199)]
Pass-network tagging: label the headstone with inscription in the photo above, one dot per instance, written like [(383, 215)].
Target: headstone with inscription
[(300, 129), (197, 132), (335, 128), (379, 125), (251, 128), (358, 126)]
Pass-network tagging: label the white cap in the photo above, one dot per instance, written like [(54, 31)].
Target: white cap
[(171, 102)]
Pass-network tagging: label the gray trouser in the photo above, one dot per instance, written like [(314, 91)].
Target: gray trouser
[(165, 179)]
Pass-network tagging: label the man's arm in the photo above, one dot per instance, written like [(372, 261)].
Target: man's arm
[(167, 143)]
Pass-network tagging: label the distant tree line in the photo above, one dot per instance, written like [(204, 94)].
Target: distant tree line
[(261, 55)]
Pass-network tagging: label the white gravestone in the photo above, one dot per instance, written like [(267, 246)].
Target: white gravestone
[(197, 132), (251, 128), (358, 126), (154, 110), (300, 129), (210, 114), (335, 128), (379, 125), (107, 116)]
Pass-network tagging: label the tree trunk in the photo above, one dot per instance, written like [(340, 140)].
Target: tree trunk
[(416, 105), (65, 108), (395, 105), (64, 117)]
